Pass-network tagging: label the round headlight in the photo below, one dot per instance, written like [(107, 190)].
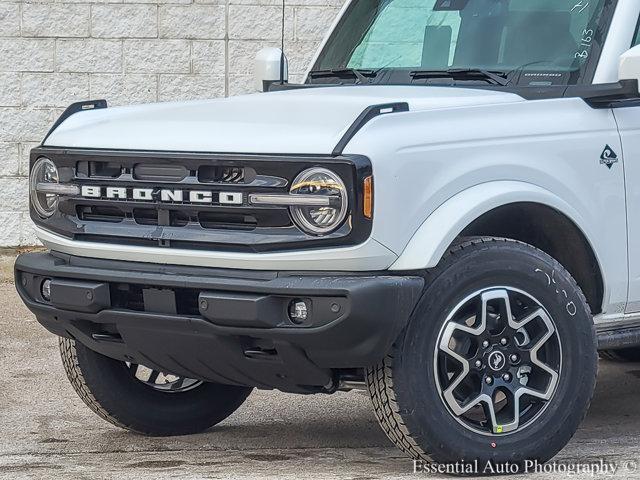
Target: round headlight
[(44, 171), (329, 187)]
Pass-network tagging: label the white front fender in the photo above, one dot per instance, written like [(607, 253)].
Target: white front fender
[(440, 229)]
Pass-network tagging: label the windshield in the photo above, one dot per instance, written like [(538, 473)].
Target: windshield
[(531, 42)]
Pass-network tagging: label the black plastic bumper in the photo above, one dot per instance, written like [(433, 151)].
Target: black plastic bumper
[(225, 326)]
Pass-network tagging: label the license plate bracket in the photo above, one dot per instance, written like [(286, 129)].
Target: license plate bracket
[(159, 301)]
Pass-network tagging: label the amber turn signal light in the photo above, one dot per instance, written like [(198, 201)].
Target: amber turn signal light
[(368, 197)]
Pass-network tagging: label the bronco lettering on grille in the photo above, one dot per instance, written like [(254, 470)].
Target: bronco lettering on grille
[(163, 195)]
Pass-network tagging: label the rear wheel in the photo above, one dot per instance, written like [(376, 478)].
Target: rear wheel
[(144, 400), (498, 362)]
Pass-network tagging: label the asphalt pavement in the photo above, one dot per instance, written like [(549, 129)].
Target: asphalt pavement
[(47, 432)]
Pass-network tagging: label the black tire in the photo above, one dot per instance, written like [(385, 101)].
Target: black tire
[(622, 355), (404, 389), (112, 392)]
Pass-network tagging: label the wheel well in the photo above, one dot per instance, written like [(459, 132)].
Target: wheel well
[(553, 233)]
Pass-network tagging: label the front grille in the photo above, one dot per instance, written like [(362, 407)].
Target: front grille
[(97, 213), (183, 223), (181, 216), (233, 175)]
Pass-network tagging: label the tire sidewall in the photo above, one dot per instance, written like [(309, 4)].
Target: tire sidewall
[(117, 396), (481, 267)]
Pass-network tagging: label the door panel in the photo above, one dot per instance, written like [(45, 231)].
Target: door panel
[(629, 124)]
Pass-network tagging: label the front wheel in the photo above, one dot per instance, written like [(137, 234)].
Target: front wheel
[(144, 400), (498, 362)]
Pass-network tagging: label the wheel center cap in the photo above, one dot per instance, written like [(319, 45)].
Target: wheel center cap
[(497, 361)]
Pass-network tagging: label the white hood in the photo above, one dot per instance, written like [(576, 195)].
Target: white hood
[(304, 121)]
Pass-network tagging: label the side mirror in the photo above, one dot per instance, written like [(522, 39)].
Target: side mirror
[(629, 68), (271, 66)]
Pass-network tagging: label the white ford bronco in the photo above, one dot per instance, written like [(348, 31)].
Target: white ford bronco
[(443, 213)]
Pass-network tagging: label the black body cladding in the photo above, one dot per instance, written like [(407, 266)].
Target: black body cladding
[(224, 326), (73, 109)]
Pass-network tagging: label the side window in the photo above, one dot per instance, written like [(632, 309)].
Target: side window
[(636, 37)]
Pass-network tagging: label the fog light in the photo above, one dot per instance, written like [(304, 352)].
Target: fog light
[(45, 289), (298, 311)]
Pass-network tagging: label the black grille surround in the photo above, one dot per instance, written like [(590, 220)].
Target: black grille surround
[(241, 228)]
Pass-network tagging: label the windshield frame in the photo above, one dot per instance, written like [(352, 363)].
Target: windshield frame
[(402, 76)]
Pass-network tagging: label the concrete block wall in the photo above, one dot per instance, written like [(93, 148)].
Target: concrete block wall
[(55, 52)]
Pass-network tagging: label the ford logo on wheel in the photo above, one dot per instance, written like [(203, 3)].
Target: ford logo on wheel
[(497, 361)]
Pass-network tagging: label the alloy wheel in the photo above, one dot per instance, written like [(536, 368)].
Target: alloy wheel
[(161, 381), (497, 361)]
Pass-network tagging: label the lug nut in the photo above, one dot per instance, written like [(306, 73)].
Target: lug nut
[(506, 377), (503, 341), (485, 344), (478, 363), (488, 380), (514, 358)]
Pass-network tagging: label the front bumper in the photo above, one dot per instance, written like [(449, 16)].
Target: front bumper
[(368, 256), (225, 326)]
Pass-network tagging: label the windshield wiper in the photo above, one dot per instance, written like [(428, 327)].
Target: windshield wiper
[(498, 78), (362, 76)]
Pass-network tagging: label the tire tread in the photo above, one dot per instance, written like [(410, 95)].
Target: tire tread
[(128, 404), (379, 378), (72, 368)]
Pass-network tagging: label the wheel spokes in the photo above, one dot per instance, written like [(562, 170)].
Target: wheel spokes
[(478, 378), (448, 338), (153, 377), (161, 381)]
